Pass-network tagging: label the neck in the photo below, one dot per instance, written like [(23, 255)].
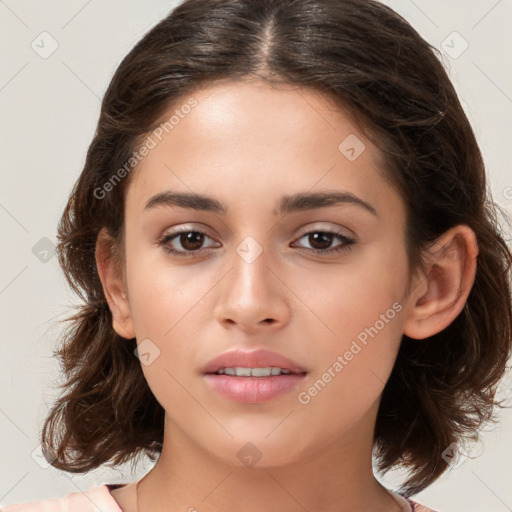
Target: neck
[(337, 476)]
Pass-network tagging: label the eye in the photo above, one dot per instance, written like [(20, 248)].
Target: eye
[(190, 240), (321, 240)]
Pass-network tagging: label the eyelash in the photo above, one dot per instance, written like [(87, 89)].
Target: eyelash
[(345, 246)]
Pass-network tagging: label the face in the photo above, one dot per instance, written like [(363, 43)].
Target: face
[(322, 282)]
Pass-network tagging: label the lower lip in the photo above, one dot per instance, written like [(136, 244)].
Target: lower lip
[(253, 390)]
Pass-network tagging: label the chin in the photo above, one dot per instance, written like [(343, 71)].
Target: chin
[(258, 451)]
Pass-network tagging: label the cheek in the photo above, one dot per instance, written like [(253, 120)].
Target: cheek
[(344, 300), (353, 363), (167, 307), (165, 304), (357, 325), (162, 295)]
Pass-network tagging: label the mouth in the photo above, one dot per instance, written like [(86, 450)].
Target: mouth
[(241, 371), (252, 377), (256, 363)]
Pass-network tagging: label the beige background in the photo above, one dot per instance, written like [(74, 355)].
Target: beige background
[(49, 111)]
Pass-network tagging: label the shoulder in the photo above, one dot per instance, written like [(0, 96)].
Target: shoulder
[(94, 499), (409, 505), (418, 507)]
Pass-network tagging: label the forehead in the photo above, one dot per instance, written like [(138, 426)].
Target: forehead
[(255, 111), (244, 138)]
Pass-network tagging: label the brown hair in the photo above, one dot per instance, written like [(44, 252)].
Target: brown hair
[(376, 65)]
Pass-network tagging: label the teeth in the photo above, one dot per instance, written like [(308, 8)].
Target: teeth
[(264, 372), (240, 371)]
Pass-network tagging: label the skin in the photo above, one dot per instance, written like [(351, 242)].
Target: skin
[(247, 144)]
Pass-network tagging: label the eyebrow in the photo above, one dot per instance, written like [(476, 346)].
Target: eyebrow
[(288, 204)]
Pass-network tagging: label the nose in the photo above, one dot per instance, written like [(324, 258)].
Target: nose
[(253, 296)]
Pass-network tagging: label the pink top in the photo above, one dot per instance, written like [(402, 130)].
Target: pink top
[(100, 498)]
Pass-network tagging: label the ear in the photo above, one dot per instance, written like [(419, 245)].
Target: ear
[(438, 297), (114, 286)]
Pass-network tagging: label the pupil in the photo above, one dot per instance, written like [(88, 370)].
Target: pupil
[(316, 236), (187, 240)]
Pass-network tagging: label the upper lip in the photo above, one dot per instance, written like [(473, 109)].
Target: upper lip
[(254, 359)]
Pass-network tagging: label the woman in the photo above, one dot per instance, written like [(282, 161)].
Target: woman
[(289, 267)]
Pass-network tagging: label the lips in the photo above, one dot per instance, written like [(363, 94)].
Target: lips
[(254, 359), (248, 388)]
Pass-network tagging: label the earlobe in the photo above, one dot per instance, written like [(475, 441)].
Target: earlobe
[(440, 295), (114, 286)]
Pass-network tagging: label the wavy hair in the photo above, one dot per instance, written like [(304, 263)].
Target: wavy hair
[(361, 53)]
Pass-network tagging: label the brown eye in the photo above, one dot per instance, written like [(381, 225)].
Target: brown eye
[(320, 242), (192, 240), (184, 243)]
